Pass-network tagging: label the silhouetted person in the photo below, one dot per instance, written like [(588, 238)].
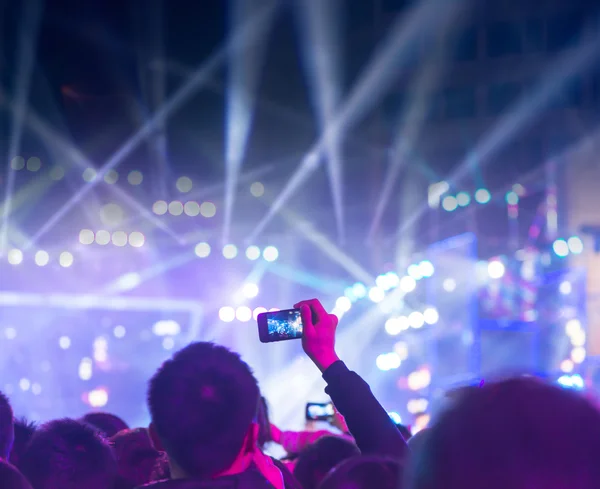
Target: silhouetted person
[(11, 478), (24, 430), (69, 454), (364, 473), (136, 457), (7, 433), (108, 424)]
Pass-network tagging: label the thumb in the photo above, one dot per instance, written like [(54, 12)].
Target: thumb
[(306, 314)]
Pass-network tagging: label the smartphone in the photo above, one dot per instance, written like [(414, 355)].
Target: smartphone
[(317, 411), (279, 325)]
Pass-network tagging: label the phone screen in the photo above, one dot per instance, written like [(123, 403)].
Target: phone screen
[(280, 325), (316, 411)]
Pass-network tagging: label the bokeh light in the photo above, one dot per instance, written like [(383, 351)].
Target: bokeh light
[(135, 177), (463, 199), (89, 175), (160, 207), (407, 284), (34, 164), (119, 238), (270, 253), (575, 245), (191, 208), (15, 256), (65, 259), (175, 208), (376, 294), (86, 236), (257, 189), (243, 314), (483, 196), (449, 203), (250, 290), (257, 311), (111, 177), (17, 163), (184, 184), (102, 237), (208, 209), (230, 251), (202, 250), (496, 269), (227, 314), (253, 252), (561, 248), (136, 239), (42, 258)]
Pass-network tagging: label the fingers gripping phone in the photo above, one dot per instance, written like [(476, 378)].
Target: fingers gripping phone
[(279, 325), (316, 411)]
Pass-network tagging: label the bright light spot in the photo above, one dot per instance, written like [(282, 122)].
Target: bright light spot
[(483, 196), (24, 384), (102, 237), (561, 248), (415, 406), (100, 349), (376, 294), (253, 252), (575, 245), (111, 177), (191, 208), (388, 361), (257, 311), (65, 259), (86, 236), (250, 290), (57, 173), (85, 369), (343, 304), (184, 184), (431, 315), (230, 251), (426, 268), (394, 326), (396, 418), (578, 338), (135, 177), (449, 285), (136, 239), (512, 198), (89, 175), (243, 314), (496, 269), (415, 272), (359, 290), (208, 209), (202, 250), (565, 288), (257, 189), (168, 343), (382, 282), (567, 366), (17, 163), (416, 320), (98, 398), (463, 199), (36, 389), (571, 381), (175, 208), (166, 327), (419, 380), (270, 253), (573, 327), (10, 333), (578, 354), (15, 257), (160, 207), (34, 163), (408, 284), (42, 258), (64, 342), (119, 238), (449, 203), (227, 314), (119, 331)]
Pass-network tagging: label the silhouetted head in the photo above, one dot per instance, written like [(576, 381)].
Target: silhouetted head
[(136, 457), (24, 430), (316, 460), (364, 473), (108, 424), (518, 433), (69, 454), (7, 433), (11, 478), (203, 403)]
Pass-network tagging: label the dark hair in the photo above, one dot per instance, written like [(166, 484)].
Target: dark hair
[(24, 430), (7, 433), (516, 433), (364, 473), (69, 454), (264, 424), (202, 403), (316, 460), (108, 424), (136, 457), (11, 478)]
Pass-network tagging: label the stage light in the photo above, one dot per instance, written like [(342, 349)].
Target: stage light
[(359, 290), (42, 258), (575, 245), (119, 238), (191, 208), (578, 354), (415, 406), (119, 331), (483, 196), (250, 290), (496, 269), (565, 288), (230, 251), (160, 208), (10, 333), (135, 177), (208, 209), (227, 314), (512, 198), (257, 189), (393, 326), (65, 259), (419, 379), (36, 389), (270, 253), (89, 175), (34, 164), (136, 239), (431, 315), (343, 304), (168, 343), (571, 381), (396, 418), (407, 284), (449, 285), (382, 282), (388, 361), (111, 177), (567, 366), (392, 279), (64, 342), (100, 349), (253, 252), (561, 248), (573, 327), (57, 173), (401, 349), (426, 268), (98, 398), (15, 257), (175, 208), (17, 163), (415, 272), (243, 314), (202, 250), (24, 384), (416, 320), (578, 338), (449, 203), (376, 294), (184, 184), (86, 368), (86, 236), (166, 327), (463, 199), (257, 311)]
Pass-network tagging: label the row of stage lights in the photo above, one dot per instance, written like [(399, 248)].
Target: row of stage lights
[(243, 314), (117, 238), (190, 208), (41, 257), (230, 251), (482, 196)]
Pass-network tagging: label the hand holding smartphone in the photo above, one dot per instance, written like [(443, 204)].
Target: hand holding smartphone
[(317, 411), (279, 325)]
